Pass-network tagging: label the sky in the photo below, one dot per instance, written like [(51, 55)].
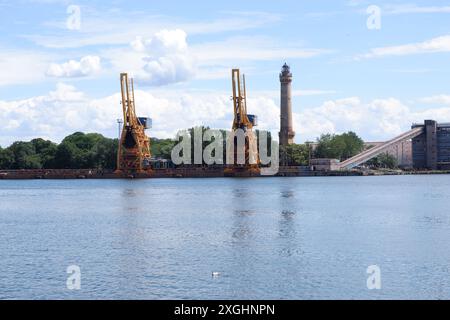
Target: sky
[(373, 67)]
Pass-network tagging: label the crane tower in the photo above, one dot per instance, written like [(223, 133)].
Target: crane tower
[(287, 133), (133, 155), (244, 123)]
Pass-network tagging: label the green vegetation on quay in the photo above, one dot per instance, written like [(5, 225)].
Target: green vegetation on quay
[(76, 151), (94, 151)]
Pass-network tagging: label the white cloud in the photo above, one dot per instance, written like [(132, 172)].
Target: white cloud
[(66, 110), (355, 3), (275, 94), (380, 119), (101, 27), (166, 58), (438, 44), (50, 116), (216, 58), (22, 67), (412, 8), (441, 99), (256, 48), (87, 66), (162, 43)]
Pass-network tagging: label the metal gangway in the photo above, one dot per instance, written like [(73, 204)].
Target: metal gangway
[(375, 151)]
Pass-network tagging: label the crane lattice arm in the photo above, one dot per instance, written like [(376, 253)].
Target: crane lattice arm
[(240, 102)]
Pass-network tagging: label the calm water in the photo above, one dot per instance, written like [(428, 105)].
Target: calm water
[(270, 238)]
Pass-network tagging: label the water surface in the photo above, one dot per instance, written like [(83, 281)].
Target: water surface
[(270, 238)]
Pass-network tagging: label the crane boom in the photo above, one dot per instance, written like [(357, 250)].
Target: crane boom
[(241, 119)]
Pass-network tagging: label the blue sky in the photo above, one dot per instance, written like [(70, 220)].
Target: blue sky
[(57, 79)]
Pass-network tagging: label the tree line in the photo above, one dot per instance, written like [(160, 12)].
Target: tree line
[(94, 151), (332, 146), (76, 151)]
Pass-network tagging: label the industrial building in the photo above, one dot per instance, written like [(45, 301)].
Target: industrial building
[(431, 149), (402, 152), (424, 147)]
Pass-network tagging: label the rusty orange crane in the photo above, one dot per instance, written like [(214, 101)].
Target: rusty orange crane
[(134, 154), (244, 123)]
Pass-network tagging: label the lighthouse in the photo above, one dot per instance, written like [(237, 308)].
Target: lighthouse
[(287, 133)]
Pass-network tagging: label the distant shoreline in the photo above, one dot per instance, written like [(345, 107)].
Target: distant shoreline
[(201, 172)]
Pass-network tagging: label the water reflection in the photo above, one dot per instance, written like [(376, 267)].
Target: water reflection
[(286, 224), (287, 229), (130, 193), (131, 235), (241, 230), (129, 198), (287, 194), (242, 215), (240, 193)]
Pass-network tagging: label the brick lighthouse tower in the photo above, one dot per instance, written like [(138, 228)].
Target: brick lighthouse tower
[(286, 131)]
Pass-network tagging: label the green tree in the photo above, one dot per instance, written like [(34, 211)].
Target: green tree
[(46, 151), (162, 148), (352, 144), (340, 147), (76, 151), (32, 161), (65, 156), (295, 154), (25, 156), (6, 159), (328, 147), (104, 153), (86, 151), (83, 141), (384, 160)]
